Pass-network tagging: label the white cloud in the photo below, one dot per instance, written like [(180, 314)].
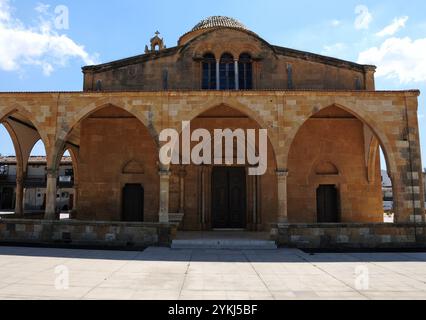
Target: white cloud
[(394, 27), (40, 45), (364, 17), (336, 23), (333, 49), (398, 58), (42, 8), (5, 10)]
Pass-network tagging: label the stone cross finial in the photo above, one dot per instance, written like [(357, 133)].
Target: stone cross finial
[(157, 43)]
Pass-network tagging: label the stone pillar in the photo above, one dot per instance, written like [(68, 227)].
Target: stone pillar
[(282, 195), (217, 74), (237, 78), (52, 176), (75, 200), (182, 175), (19, 201), (369, 72), (407, 178), (164, 196)]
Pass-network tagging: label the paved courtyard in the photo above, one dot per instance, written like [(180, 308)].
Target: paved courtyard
[(161, 273)]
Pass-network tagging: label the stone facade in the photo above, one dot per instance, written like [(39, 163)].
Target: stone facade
[(324, 119), (180, 68)]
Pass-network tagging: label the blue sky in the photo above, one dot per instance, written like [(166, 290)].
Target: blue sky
[(39, 52)]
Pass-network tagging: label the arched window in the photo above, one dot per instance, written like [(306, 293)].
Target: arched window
[(209, 72), (245, 72), (227, 72)]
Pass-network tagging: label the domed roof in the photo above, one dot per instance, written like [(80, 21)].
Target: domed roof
[(217, 22)]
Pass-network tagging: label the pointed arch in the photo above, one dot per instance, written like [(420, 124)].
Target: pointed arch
[(253, 115), (142, 115), (18, 111), (364, 118), (372, 157), (353, 167), (61, 144)]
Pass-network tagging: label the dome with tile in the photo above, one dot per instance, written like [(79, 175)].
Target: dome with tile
[(219, 22)]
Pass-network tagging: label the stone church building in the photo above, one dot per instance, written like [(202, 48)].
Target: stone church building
[(326, 124)]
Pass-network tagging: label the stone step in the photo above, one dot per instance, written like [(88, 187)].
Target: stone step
[(224, 244)]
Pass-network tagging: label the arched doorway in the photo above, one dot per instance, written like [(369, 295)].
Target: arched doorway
[(23, 136), (222, 195), (334, 170), (35, 181), (114, 152), (7, 172)]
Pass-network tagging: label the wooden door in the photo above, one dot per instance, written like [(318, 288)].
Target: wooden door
[(133, 203), (327, 204), (228, 198)]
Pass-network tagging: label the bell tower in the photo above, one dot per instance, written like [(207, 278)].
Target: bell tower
[(157, 44)]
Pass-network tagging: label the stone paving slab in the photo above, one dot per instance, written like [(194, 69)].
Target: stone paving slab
[(162, 273)]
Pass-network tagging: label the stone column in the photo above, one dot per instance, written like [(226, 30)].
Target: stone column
[(217, 74), (182, 175), (369, 83), (75, 200), (19, 201), (282, 195), (164, 196), (237, 78), (52, 176)]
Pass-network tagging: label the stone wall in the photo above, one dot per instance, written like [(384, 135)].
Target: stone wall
[(179, 68), (115, 150), (330, 149), (87, 233), (261, 195), (357, 236), (390, 115)]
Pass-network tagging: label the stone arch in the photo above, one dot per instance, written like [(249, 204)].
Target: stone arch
[(87, 111), (123, 169), (17, 109), (133, 167), (364, 118), (20, 169), (15, 142), (340, 178), (198, 111), (325, 167), (74, 159), (371, 160), (103, 103), (25, 131)]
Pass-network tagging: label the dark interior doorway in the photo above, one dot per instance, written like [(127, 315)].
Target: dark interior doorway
[(328, 204), (229, 198), (133, 203), (6, 199)]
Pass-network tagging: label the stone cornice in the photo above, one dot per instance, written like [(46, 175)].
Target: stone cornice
[(214, 93)]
